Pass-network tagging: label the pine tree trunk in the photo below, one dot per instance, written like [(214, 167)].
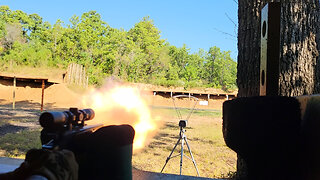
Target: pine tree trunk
[(299, 50)]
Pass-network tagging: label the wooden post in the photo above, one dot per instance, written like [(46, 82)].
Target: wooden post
[(42, 95), (87, 82), (77, 74), (14, 93), (69, 74), (72, 74), (84, 77), (80, 76)]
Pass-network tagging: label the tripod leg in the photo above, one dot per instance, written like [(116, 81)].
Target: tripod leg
[(168, 158), (194, 162), (182, 144)]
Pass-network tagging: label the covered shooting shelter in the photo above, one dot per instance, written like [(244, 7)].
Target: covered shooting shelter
[(24, 81)]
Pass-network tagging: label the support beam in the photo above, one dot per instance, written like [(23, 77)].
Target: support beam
[(14, 93), (42, 95)]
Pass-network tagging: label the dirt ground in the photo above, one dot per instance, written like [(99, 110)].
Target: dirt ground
[(29, 96), (57, 97)]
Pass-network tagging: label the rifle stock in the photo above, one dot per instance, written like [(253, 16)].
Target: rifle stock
[(102, 152)]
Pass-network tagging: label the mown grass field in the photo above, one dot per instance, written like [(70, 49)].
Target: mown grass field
[(204, 134), (214, 159)]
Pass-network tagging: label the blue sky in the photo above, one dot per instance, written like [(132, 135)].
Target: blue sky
[(196, 23)]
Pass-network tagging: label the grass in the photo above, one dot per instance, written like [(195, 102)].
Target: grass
[(17, 144), (20, 131), (204, 134), (185, 111)]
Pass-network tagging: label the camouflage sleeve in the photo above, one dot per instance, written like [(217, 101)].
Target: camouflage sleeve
[(53, 165)]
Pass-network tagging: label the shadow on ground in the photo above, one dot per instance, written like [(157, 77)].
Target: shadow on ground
[(25, 116), (29, 106), (165, 139), (8, 128)]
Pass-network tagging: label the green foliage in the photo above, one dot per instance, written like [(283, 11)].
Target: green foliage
[(32, 54), (220, 69), (137, 55)]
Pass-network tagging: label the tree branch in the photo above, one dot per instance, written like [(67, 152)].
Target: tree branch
[(231, 35), (235, 25)]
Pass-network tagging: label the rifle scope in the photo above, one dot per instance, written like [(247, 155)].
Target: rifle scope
[(74, 116)]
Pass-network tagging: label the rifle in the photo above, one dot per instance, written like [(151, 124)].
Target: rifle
[(101, 151), (60, 128)]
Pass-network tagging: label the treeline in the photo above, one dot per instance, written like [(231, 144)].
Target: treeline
[(136, 55)]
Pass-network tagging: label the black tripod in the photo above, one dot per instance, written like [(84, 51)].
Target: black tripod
[(182, 138)]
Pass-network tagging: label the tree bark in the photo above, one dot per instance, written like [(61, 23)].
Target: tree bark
[(248, 47), (299, 50), (299, 47)]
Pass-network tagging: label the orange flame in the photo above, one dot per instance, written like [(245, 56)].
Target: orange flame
[(121, 104)]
